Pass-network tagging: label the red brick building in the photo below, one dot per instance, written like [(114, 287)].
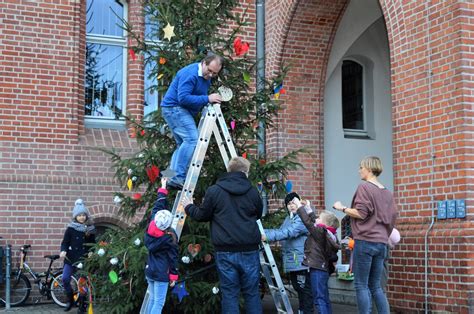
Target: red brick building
[(387, 78)]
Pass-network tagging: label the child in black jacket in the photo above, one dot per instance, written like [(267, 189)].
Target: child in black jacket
[(161, 242), (78, 233)]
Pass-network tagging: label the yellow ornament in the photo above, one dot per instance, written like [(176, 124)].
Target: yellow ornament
[(90, 310), (129, 184), (169, 31), (160, 76)]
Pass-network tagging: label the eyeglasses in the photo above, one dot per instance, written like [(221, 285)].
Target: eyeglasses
[(212, 73)]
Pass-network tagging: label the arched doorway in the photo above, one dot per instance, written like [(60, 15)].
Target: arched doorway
[(357, 101)]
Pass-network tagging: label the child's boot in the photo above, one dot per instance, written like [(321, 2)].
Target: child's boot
[(70, 301)]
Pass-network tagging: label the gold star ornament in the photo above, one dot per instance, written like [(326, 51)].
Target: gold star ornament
[(169, 31)]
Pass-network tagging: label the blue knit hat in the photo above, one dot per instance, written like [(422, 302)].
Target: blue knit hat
[(79, 208)]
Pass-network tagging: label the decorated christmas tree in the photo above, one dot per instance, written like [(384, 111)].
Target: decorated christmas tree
[(178, 33)]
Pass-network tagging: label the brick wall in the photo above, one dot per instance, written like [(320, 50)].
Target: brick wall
[(47, 158), (431, 60), (304, 44)]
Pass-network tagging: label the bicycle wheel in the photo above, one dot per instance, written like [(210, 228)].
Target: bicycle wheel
[(20, 288), (57, 289)]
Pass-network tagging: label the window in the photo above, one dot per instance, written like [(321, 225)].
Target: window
[(352, 96), (151, 93), (355, 100), (105, 68)]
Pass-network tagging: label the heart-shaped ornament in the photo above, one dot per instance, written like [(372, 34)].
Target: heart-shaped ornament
[(194, 249)]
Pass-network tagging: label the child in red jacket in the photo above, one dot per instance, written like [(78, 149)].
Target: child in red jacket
[(161, 242)]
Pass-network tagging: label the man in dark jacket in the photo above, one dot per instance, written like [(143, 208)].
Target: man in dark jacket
[(233, 207)]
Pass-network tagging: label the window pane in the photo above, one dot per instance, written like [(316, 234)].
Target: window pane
[(152, 27), (352, 96), (151, 94), (104, 80), (104, 17)]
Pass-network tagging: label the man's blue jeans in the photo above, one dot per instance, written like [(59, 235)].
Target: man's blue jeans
[(319, 285), (368, 269), (239, 271), (183, 127)]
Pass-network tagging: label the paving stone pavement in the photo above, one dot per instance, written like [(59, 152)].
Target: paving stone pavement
[(268, 308)]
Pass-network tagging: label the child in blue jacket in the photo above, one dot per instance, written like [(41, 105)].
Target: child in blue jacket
[(161, 242), (292, 235)]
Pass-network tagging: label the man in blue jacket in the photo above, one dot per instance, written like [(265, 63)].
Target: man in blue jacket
[(184, 99), (292, 234), (233, 207)]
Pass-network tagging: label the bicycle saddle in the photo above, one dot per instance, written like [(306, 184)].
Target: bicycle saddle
[(52, 257)]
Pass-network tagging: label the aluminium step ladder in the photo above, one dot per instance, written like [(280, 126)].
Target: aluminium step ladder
[(212, 123)]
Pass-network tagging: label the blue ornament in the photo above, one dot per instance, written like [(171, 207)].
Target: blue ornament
[(278, 88), (180, 291), (289, 186)]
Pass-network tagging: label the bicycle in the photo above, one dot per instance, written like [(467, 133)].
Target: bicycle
[(49, 284)]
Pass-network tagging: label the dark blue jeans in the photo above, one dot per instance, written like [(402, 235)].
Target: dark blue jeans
[(68, 270), (185, 133), (319, 285), (368, 268), (239, 271), (301, 281)]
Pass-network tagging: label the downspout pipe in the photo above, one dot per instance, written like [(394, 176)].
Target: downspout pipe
[(261, 151), (433, 155)]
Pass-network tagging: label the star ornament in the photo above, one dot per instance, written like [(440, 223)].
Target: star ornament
[(169, 31)]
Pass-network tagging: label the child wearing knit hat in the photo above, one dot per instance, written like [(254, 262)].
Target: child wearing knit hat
[(292, 235), (161, 242), (78, 233)]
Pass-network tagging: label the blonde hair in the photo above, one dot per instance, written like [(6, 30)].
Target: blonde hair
[(372, 163), (329, 219), (237, 164)]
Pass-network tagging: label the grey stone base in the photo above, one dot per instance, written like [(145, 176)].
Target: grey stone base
[(341, 291)]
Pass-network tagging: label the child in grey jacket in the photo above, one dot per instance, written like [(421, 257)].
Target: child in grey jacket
[(292, 235)]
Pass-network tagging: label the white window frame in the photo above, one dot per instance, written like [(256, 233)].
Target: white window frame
[(109, 122)]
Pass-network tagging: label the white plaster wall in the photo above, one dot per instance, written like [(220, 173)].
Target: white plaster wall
[(361, 36)]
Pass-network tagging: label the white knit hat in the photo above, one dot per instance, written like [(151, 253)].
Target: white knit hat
[(163, 219)]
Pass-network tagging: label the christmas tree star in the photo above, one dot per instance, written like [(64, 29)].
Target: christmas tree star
[(169, 31)]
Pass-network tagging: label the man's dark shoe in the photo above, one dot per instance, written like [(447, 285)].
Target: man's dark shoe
[(174, 185)]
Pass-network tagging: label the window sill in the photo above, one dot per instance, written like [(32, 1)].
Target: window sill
[(358, 135), (95, 123)]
